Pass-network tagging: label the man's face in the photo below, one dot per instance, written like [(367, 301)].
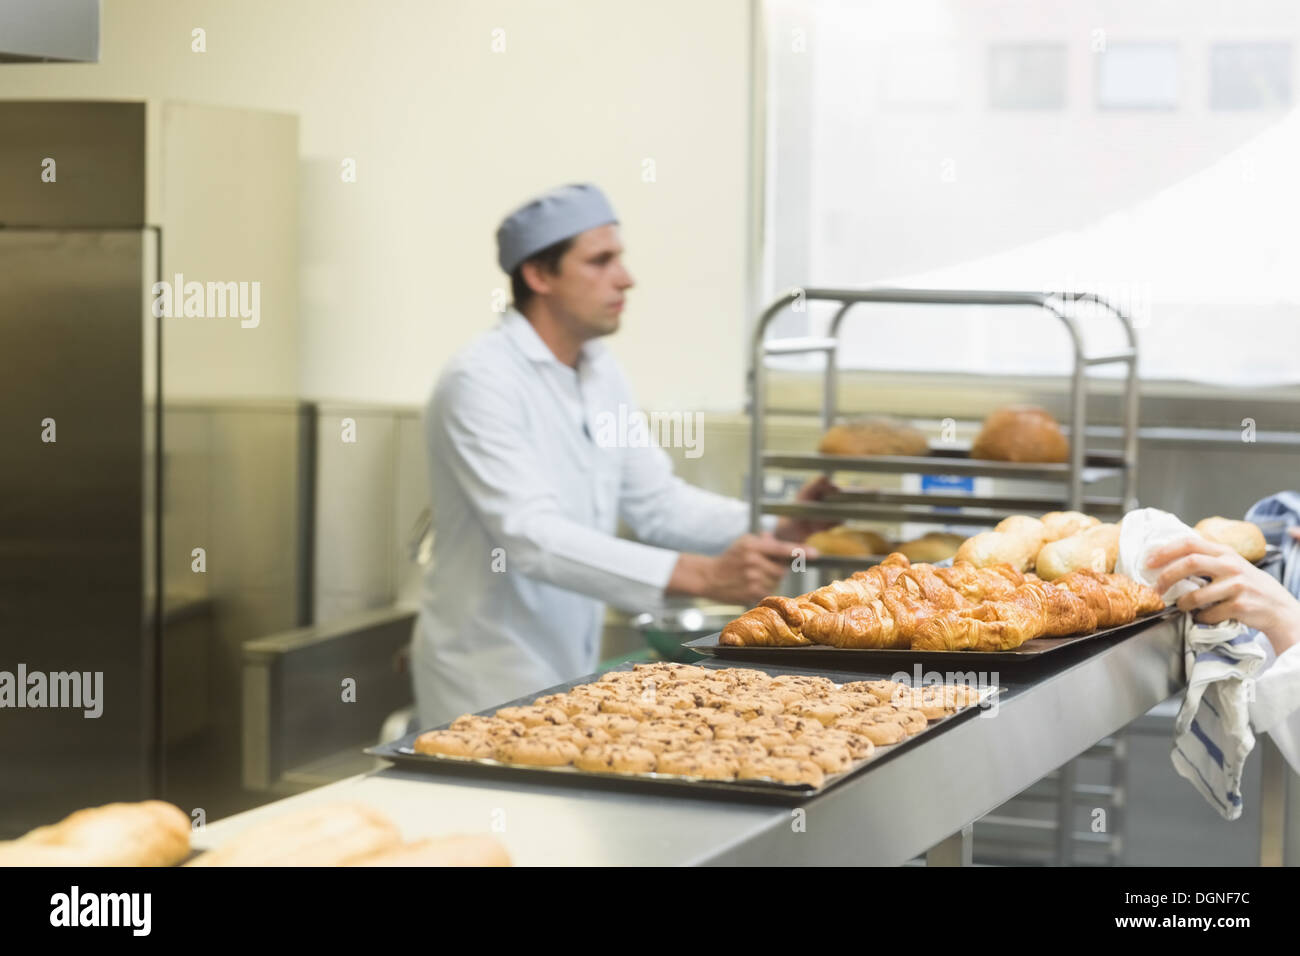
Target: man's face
[(588, 291)]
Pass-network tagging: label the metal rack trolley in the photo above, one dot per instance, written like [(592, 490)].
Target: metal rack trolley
[(1083, 468)]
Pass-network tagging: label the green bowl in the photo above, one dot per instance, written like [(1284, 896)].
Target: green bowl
[(666, 631)]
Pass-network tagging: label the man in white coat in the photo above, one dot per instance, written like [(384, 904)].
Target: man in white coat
[(528, 486)]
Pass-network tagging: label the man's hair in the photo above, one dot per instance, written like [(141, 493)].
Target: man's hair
[(548, 259)]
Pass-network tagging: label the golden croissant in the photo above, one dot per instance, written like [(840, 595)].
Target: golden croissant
[(902, 605)]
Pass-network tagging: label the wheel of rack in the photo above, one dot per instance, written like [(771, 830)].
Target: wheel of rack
[(1084, 468)]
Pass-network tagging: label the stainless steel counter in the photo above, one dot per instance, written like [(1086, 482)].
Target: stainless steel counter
[(890, 813)]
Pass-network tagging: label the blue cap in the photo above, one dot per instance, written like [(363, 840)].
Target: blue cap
[(562, 213)]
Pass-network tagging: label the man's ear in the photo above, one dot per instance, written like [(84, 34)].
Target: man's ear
[(537, 278)]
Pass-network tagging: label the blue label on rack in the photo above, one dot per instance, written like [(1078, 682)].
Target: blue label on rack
[(948, 483)]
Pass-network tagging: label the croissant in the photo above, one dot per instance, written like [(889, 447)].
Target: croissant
[(889, 622), (761, 627), (1079, 602), (1145, 599), (979, 584), (1112, 604), (859, 588), (991, 626), (923, 582)]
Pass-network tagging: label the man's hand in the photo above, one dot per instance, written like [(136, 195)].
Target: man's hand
[(798, 529), (745, 573), (1236, 589)]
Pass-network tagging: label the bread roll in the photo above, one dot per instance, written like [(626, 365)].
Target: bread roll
[(848, 542), (1022, 433), (330, 835), (151, 833), (1242, 536), (1095, 549), (1015, 541), (931, 548), (1062, 524), (443, 851), (874, 436)]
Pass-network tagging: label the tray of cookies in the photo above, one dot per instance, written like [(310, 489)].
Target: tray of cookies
[(738, 731)]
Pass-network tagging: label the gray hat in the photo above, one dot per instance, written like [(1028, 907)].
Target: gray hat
[(559, 214)]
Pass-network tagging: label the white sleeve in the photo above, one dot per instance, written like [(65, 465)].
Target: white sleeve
[(662, 509), (1276, 707), (475, 427)]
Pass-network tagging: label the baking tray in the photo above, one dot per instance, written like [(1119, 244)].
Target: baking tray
[(401, 752), (877, 659)]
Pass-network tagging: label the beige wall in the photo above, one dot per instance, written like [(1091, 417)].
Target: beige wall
[(398, 269)]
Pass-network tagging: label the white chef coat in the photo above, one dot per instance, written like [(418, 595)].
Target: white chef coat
[(526, 507), (1275, 709)]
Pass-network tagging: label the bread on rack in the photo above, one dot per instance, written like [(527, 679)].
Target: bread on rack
[(1015, 541), (150, 833), (1244, 537), (874, 436), (931, 547), (1096, 549), (848, 542), (1021, 433)]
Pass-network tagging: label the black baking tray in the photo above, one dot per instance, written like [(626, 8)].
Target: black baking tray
[(877, 659), (401, 753)]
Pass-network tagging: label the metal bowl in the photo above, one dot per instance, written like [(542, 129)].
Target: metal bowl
[(665, 631)]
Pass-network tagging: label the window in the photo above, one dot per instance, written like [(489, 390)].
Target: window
[(1138, 76), (1250, 76), (1027, 76), (948, 144)]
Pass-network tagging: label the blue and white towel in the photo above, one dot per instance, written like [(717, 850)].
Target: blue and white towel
[(1212, 733)]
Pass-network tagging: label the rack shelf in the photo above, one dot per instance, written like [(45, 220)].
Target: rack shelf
[(1084, 467)]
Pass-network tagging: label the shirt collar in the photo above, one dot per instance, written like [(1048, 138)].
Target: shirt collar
[(525, 337)]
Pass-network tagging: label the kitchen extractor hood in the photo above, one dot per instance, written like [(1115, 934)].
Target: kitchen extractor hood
[(33, 31)]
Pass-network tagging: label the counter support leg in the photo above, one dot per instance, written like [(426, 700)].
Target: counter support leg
[(953, 851)]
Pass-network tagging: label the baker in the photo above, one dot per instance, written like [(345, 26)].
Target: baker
[(528, 489)]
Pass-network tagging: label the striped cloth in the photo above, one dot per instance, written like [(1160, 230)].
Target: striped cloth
[(1275, 515), (1212, 733)]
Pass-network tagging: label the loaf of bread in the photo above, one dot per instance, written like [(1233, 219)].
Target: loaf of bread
[(330, 835), (151, 833), (442, 851), (1062, 524), (1242, 536), (874, 436), (1095, 549), (933, 547), (1015, 541), (848, 542), (1023, 433)]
